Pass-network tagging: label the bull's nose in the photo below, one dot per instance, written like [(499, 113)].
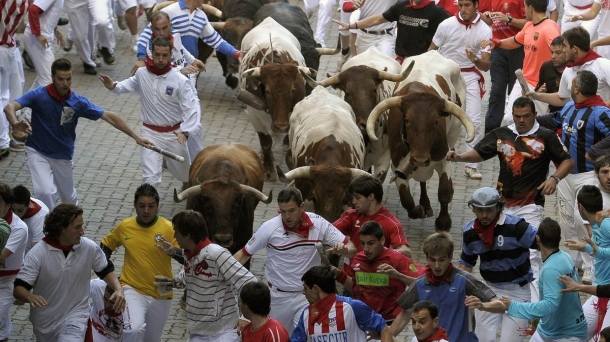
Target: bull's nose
[(224, 240), (421, 161), (281, 128)]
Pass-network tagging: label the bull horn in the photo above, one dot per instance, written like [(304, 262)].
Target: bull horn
[(251, 100), (384, 75), (257, 194), (325, 83), (327, 51), (218, 25), (459, 113), (308, 71), (357, 173), (190, 192), (254, 72), (161, 6), (377, 111), (299, 172), (211, 10)]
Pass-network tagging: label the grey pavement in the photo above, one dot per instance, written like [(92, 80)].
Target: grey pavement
[(107, 168)]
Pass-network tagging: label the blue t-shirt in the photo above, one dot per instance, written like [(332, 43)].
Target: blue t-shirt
[(601, 237), (54, 122)]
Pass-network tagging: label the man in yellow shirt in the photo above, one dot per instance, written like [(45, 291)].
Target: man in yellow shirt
[(147, 310)]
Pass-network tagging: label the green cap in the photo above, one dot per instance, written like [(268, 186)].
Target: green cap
[(5, 231)]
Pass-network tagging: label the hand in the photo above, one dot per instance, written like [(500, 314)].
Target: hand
[(571, 285), (576, 245), (107, 81), (191, 69), (37, 301), (574, 18), (23, 126), (473, 302), (339, 248), (471, 55), (591, 243), (506, 301), (498, 16), (486, 43), (542, 88), (43, 41), (59, 37), (359, 3), (181, 137), (588, 158), (342, 26), (164, 285), (389, 270), (453, 156), (139, 64), (200, 65), (548, 186), (335, 271), (532, 94), (143, 142), (119, 300), (166, 246), (240, 325)]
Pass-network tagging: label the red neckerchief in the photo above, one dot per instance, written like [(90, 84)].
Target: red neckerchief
[(54, 243), (440, 334), (318, 311), (468, 24), (33, 209), (587, 57), (150, 65), (486, 233), (420, 6), (434, 280), (590, 102), (602, 310), (54, 94), (201, 245), (111, 313), (302, 228), (8, 217)]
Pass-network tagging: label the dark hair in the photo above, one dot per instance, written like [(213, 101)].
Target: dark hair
[(439, 243), (524, 101), (600, 162), (146, 190), (61, 64), (538, 5), (60, 218), (365, 185), (590, 198), (426, 305), (191, 223), (257, 297), (474, 2), (22, 195), (158, 15), (586, 81), (321, 276), (579, 37), (605, 333), (372, 228), (557, 41), (549, 233), (162, 41), (290, 194), (6, 193)]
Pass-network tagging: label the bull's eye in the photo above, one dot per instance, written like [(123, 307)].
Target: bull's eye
[(407, 122)]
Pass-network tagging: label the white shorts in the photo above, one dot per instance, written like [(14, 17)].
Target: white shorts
[(223, 336), (72, 329), (127, 4)]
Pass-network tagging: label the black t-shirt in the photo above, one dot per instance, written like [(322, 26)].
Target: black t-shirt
[(550, 76), (416, 27), (524, 162)]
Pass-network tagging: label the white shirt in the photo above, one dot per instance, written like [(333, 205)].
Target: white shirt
[(290, 255), (104, 327), (166, 99), (452, 39), (16, 244), (180, 56), (604, 19), (48, 19), (371, 8), (35, 224), (600, 67)]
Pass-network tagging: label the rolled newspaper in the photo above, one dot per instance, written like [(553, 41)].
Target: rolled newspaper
[(323, 255), (525, 87)]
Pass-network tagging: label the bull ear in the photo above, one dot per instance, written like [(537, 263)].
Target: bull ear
[(254, 82)]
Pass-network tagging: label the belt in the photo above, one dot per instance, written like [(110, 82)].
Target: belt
[(279, 290), (378, 33), (162, 129), (583, 7), (5, 273)]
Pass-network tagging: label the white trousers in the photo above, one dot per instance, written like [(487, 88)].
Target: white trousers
[(223, 336), (532, 214), (83, 16), (6, 301), (325, 14), (42, 59), (513, 329), (11, 86), (590, 311), (541, 107), (51, 177), (287, 307), (194, 143), (385, 43), (152, 162), (538, 338), (72, 329), (473, 109), (570, 11), (146, 318), (572, 225)]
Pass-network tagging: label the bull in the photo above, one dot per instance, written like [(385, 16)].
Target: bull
[(327, 149), (424, 123), (366, 80), (226, 183), (271, 84)]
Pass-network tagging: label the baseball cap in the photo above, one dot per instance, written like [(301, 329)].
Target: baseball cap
[(5, 231), (485, 197)]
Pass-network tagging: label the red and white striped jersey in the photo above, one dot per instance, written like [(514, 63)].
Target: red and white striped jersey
[(10, 15)]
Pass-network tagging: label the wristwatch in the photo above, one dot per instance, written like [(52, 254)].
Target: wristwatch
[(557, 179), (186, 134), (510, 18)]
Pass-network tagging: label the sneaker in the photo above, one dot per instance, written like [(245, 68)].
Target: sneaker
[(587, 277), (68, 45), (89, 70), (134, 45), (472, 173), (341, 60), (62, 21), (108, 57), (27, 60), (4, 153), (15, 146), (120, 20)]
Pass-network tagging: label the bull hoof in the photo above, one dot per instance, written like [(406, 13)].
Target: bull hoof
[(442, 224), (417, 213), (429, 213), (285, 144), (231, 81)]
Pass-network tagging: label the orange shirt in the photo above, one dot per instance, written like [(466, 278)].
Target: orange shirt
[(536, 40)]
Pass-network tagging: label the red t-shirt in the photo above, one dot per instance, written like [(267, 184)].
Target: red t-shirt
[(378, 290), (516, 9), (350, 222), (271, 331)]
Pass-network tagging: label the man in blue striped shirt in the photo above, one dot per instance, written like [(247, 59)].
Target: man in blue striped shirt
[(503, 243)]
